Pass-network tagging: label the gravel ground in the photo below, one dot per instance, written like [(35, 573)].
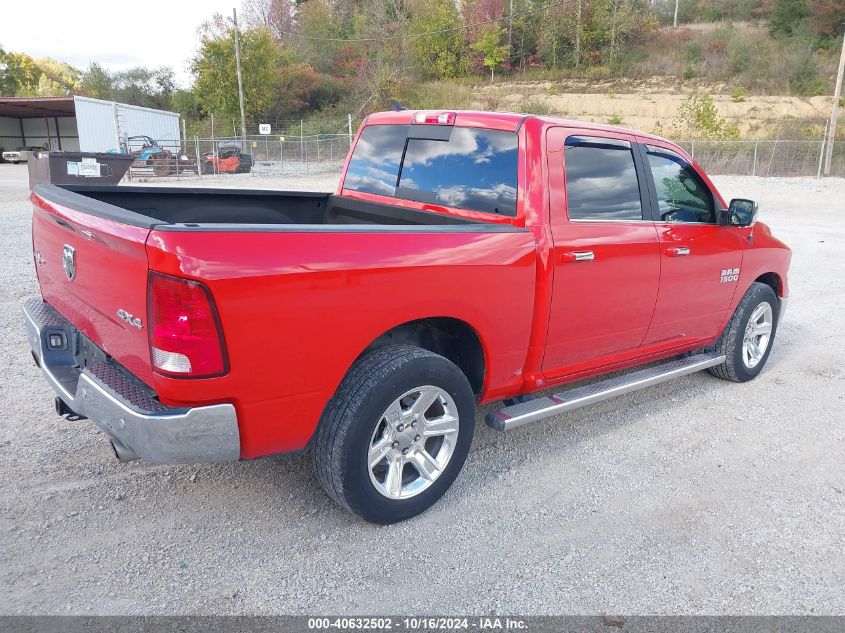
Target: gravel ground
[(696, 496)]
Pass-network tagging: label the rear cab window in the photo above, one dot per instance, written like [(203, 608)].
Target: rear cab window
[(462, 167)]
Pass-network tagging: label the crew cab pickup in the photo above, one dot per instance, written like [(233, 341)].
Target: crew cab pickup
[(465, 258)]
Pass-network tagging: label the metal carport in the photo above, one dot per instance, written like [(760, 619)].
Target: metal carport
[(47, 121), (81, 123)]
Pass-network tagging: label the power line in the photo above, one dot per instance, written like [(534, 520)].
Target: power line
[(412, 35)]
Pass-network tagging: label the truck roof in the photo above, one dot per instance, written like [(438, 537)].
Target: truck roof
[(510, 121)]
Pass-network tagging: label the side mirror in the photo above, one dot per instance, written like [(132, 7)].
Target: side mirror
[(740, 212)]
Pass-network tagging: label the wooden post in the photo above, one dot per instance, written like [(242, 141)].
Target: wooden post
[(510, 29), (238, 69), (754, 167), (834, 112)]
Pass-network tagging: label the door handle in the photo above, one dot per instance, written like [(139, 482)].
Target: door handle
[(677, 251), (579, 256)]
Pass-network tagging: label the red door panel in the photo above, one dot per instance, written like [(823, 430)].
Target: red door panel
[(700, 260), (602, 302), (601, 309), (696, 283)]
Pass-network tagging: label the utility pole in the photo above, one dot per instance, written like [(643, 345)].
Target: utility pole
[(675, 22), (577, 36), (510, 29), (834, 112), (240, 79)]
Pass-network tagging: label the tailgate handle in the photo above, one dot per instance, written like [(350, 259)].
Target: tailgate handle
[(579, 256)]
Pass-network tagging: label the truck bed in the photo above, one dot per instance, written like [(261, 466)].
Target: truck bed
[(154, 206), (303, 283)]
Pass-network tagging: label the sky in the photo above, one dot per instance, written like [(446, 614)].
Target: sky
[(117, 34)]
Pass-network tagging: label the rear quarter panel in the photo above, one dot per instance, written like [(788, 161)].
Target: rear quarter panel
[(297, 309)]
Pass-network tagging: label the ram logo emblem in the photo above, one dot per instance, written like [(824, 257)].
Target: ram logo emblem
[(69, 261)]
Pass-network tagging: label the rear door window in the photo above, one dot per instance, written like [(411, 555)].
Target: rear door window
[(601, 180), (473, 169)]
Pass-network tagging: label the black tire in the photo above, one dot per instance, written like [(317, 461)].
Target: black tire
[(730, 343), (245, 166), (372, 384)]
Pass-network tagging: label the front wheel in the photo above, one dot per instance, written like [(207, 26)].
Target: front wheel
[(395, 435), (748, 337)]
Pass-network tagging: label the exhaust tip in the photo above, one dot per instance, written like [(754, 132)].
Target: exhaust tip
[(123, 453), (62, 410)]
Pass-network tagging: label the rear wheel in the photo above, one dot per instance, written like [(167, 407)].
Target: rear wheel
[(161, 165), (748, 338), (396, 434)]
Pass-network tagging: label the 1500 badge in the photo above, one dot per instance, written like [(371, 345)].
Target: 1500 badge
[(730, 274)]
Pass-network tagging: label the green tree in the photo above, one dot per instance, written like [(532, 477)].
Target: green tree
[(215, 75), (788, 17), (185, 103), (320, 24), (56, 78), (301, 89), (20, 74), (96, 82), (438, 54), (489, 44), (148, 87), (827, 17)]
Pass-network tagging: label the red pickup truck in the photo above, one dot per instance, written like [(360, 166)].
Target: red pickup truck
[(465, 258)]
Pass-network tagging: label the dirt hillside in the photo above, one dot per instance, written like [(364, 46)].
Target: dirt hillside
[(645, 103)]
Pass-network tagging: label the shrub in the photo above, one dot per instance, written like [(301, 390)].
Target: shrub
[(535, 106), (301, 88), (738, 94), (694, 52), (805, 79), (615, 120), (788, 16), (698, 119), (741, 54)]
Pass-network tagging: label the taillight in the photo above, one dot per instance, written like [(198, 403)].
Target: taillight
[(435, 118), (185, 335)]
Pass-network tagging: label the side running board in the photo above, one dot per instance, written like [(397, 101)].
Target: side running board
[(548, 406)]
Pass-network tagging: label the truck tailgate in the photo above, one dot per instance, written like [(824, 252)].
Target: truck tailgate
[(92, 268)]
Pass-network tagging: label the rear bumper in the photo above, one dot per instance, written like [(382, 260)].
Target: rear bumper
[(123, 406)]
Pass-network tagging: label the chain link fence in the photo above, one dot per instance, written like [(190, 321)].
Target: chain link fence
[(765, 158), (273, 156), (257, 155)]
